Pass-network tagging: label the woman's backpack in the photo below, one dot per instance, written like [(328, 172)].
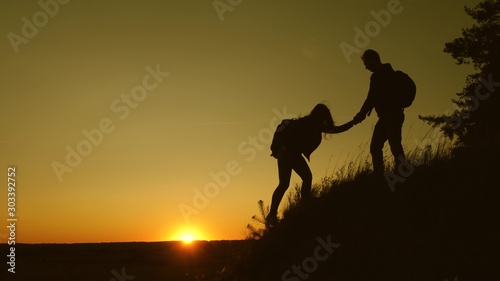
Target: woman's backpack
[(281, 134)]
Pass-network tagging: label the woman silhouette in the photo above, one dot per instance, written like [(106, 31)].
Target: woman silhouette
[(292, 139)]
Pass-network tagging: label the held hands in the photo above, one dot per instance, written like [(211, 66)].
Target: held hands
[(359, 118)]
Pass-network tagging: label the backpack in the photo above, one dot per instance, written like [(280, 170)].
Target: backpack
[(281, 134), (405, 89)]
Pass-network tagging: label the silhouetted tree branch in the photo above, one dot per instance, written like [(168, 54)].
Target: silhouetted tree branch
[(474, 119)]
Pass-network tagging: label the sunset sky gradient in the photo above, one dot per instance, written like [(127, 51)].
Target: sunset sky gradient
[(170, 99)]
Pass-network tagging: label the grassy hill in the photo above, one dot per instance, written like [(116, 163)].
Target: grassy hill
[(441, 223)]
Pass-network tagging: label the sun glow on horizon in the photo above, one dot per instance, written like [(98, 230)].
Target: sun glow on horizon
[(187, 235), (187, 238)]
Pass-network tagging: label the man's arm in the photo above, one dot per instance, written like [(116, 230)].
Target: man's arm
[(367, 106)]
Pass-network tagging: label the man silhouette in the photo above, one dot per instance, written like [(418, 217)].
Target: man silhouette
[(381, 96)]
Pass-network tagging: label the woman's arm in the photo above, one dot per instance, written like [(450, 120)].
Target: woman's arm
[(339, 129)]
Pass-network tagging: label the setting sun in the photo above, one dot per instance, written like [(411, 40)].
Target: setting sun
[(187, 238), (187, 235)]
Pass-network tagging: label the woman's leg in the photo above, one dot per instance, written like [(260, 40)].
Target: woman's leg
[(284, 174), (299, 165)]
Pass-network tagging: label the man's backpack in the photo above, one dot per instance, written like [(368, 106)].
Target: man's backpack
[(405, 89)]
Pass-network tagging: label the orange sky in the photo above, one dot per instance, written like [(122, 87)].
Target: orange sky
[(118, 115)]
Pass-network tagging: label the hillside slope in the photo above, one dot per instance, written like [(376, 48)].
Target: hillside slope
[(441, 223)]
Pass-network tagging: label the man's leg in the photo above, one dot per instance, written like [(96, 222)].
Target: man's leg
[(376, 147), (394, 127)]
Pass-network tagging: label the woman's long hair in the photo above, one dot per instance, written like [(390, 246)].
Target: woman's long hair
[(321, 114), (321, 117)]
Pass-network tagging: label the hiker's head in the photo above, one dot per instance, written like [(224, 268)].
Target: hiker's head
[(321, 114), (371, 59)]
